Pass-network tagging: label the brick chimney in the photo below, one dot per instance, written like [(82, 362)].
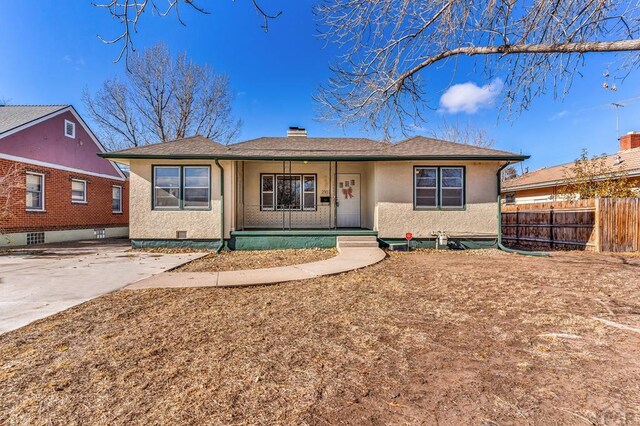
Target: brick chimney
[(630, 140), (301, 132)]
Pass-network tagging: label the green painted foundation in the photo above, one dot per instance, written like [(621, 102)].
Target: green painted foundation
[(293, 239), (177, 244), (430, 243)]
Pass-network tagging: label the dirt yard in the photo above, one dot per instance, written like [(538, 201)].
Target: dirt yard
[(238, 260), (420, 338)]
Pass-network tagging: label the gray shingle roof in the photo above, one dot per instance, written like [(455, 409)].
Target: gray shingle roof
[(314, 148), (12, 116)]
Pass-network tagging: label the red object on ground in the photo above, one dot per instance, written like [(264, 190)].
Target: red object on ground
[(408, 236)]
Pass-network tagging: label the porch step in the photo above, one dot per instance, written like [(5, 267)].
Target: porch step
[(362, 241)]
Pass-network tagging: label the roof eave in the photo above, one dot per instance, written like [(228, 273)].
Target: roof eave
[(113, 156)]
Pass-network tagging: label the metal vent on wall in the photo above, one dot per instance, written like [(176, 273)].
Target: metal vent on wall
[(100, 233), (181, 234), (35, 238)]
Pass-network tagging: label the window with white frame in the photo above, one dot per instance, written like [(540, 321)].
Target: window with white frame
[(288, 192), (181, 187), (78, 191), (439, 187), (268, 192), (35, 191), (116, 199), (69, 129)]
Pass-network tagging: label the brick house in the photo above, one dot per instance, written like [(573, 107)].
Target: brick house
[(546, 184), (69, 192)]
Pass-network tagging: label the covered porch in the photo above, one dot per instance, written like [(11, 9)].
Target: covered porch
[(299, 198)]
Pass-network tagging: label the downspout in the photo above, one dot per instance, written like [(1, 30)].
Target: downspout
[(500, 245), (219, 249)]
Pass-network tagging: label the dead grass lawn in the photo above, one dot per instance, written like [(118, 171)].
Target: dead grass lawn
[(420, 338), (239, 260)]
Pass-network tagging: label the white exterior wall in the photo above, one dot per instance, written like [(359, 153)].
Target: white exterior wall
[(395, 215), (146, 223)]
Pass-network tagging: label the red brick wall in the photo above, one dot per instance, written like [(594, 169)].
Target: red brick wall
[(60, 213)]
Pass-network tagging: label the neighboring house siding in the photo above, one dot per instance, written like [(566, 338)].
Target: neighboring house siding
[(147, 223), (46, 142), (60, 213), (395, 214)]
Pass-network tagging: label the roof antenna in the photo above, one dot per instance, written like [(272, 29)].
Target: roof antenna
[(617, 106)]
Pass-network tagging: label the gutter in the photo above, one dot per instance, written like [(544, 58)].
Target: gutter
[(219, 249), (499, 243), (316, 158)]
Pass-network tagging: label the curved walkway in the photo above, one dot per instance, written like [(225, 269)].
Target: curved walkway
[(347, 259)]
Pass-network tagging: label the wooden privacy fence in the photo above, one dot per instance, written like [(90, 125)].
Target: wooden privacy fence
[(597, 224)]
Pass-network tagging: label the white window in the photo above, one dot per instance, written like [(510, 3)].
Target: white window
[(69, 129), (195, 187), (426, 187), (268, 192), (35, 191), (438, 187), (78, 191), (288, 192), (451, 187), (309, 192), (116, 199)]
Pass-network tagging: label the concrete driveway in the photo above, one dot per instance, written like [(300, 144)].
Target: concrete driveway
[(40, 281)]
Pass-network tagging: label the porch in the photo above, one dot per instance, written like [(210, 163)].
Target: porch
[(264, 239), (302, 198)]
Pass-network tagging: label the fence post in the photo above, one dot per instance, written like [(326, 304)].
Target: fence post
[(597, 226), (551, 227), (517, 226)]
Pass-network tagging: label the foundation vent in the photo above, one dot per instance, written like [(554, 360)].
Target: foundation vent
[(35, 238), (181, 235)]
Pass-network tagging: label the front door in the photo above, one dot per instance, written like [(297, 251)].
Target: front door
[(348, 200)]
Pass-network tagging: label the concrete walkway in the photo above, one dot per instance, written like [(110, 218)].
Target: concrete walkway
[(39, 281), (348, 259)]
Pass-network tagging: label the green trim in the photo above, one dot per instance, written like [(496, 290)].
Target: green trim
[(454, 243), (167, 243), (303, 232), (303, 158), (273, 242)]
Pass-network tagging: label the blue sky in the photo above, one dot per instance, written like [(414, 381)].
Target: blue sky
[(51, 53)]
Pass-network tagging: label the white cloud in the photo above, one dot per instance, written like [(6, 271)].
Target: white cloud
[(469, 97), (559, 115)]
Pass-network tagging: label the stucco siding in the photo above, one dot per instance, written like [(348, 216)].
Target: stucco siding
[(395, 214), (159, 224)]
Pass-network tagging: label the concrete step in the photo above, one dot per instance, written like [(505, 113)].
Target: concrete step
[(352, 244)]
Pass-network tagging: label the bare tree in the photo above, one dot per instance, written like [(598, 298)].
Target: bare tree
[(389, 45), (163, 98), (128, 13), (12, 179), (463, 133)]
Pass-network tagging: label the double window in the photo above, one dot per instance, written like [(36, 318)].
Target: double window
[(116, 199), (181, 187), (35, 191), (288, 192), (438, 187), (78, 191)]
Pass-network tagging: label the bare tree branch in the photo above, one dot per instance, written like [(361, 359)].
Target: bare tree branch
[(163, 98), (381, 79), (128, 13), (463, 133), (12, 180)]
